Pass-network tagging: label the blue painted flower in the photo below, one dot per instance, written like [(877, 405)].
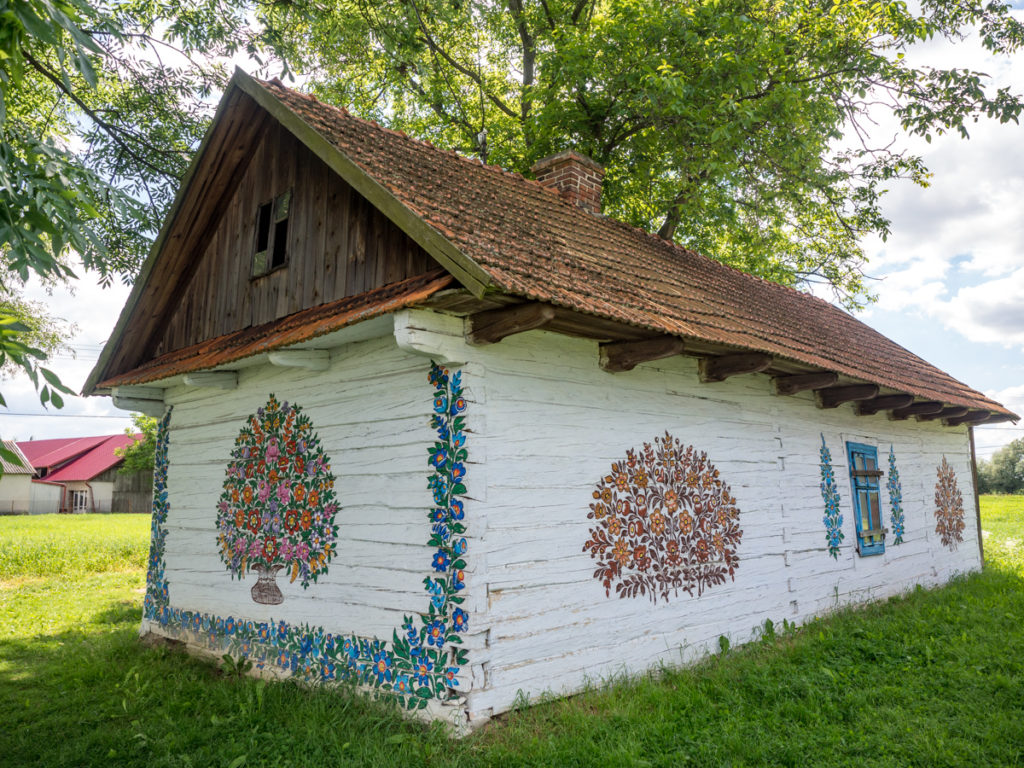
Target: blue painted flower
[(382, 666), (459, 440), (282, 632), (327, 670), (457, 510), (460, 620), (450, 676), (401, 684), (435, 633), (264, 632), (441, 403), (458, 406), (458, 471), (441, 561), (438, 457), (351, 649), (459, 579), (437, 595), (421, 669), (306, 645), (283, 659), (442, 431), (437, 515), (441, 531), (459, 547)]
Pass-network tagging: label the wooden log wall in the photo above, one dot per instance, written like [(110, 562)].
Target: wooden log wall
[(371, 410), (338, 245), (546, 424), (556, 423)]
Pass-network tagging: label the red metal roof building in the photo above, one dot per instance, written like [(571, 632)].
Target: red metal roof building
[(80, 466)]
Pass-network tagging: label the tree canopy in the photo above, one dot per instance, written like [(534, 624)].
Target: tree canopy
[(101, 107), (721, 123), (139, 456), (1004, 472)]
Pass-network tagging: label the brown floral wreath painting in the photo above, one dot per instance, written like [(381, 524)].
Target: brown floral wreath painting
[(949, 507), (665, 522)]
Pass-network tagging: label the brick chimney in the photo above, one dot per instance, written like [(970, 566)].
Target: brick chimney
[(575, 177)]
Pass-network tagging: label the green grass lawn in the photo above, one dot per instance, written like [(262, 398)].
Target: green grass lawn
[(935, 678)]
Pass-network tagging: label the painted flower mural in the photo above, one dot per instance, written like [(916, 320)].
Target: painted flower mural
[(833, 519), (422, 660), (949, 507), (892, 484), (277, 509), (665, 523)]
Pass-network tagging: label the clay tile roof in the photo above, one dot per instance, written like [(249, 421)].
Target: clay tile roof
[(533, 244)]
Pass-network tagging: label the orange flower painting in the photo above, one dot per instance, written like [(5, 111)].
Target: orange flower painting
[(665, 522), (949, 507)]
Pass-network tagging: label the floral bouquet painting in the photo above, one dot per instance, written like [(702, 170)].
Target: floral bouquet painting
[(278, 507)]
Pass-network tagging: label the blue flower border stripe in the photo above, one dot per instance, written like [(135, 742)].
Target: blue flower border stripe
[(833, 519), (422, 661)]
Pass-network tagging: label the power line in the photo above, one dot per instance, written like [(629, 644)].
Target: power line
[(67, 415)]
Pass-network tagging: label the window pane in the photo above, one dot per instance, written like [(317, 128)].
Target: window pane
[(263, 227), (280, 244), (876, 520), (862, 502), (283, 205)]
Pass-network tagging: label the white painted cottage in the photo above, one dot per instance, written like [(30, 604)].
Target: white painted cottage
[(452, 434)]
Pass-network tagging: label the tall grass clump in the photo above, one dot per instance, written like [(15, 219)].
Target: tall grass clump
[(33, 546)]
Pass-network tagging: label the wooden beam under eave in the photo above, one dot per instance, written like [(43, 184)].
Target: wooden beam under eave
[(212, 379), (619, 356), (974, 417), (998, 418), (493, 325), (712, 369), (833, 397), (916, 409), (952, 412), (801, 382), (883, 403)]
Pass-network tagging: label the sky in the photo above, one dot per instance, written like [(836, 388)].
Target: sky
[(949, 279)]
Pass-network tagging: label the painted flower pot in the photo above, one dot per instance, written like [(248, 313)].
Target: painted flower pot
[(265, 591)]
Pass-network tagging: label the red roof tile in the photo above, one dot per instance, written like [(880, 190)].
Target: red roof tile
[(533, 244)]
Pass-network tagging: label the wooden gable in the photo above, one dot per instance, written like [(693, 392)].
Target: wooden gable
[(202, 285)]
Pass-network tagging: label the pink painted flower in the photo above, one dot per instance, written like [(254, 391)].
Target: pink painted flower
[(272, 450), (282, 493), (263, 492)]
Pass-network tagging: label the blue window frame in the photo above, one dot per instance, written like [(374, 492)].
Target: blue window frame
[(864, 480)]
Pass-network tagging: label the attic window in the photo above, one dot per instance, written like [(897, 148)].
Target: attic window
[(272, 235)]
